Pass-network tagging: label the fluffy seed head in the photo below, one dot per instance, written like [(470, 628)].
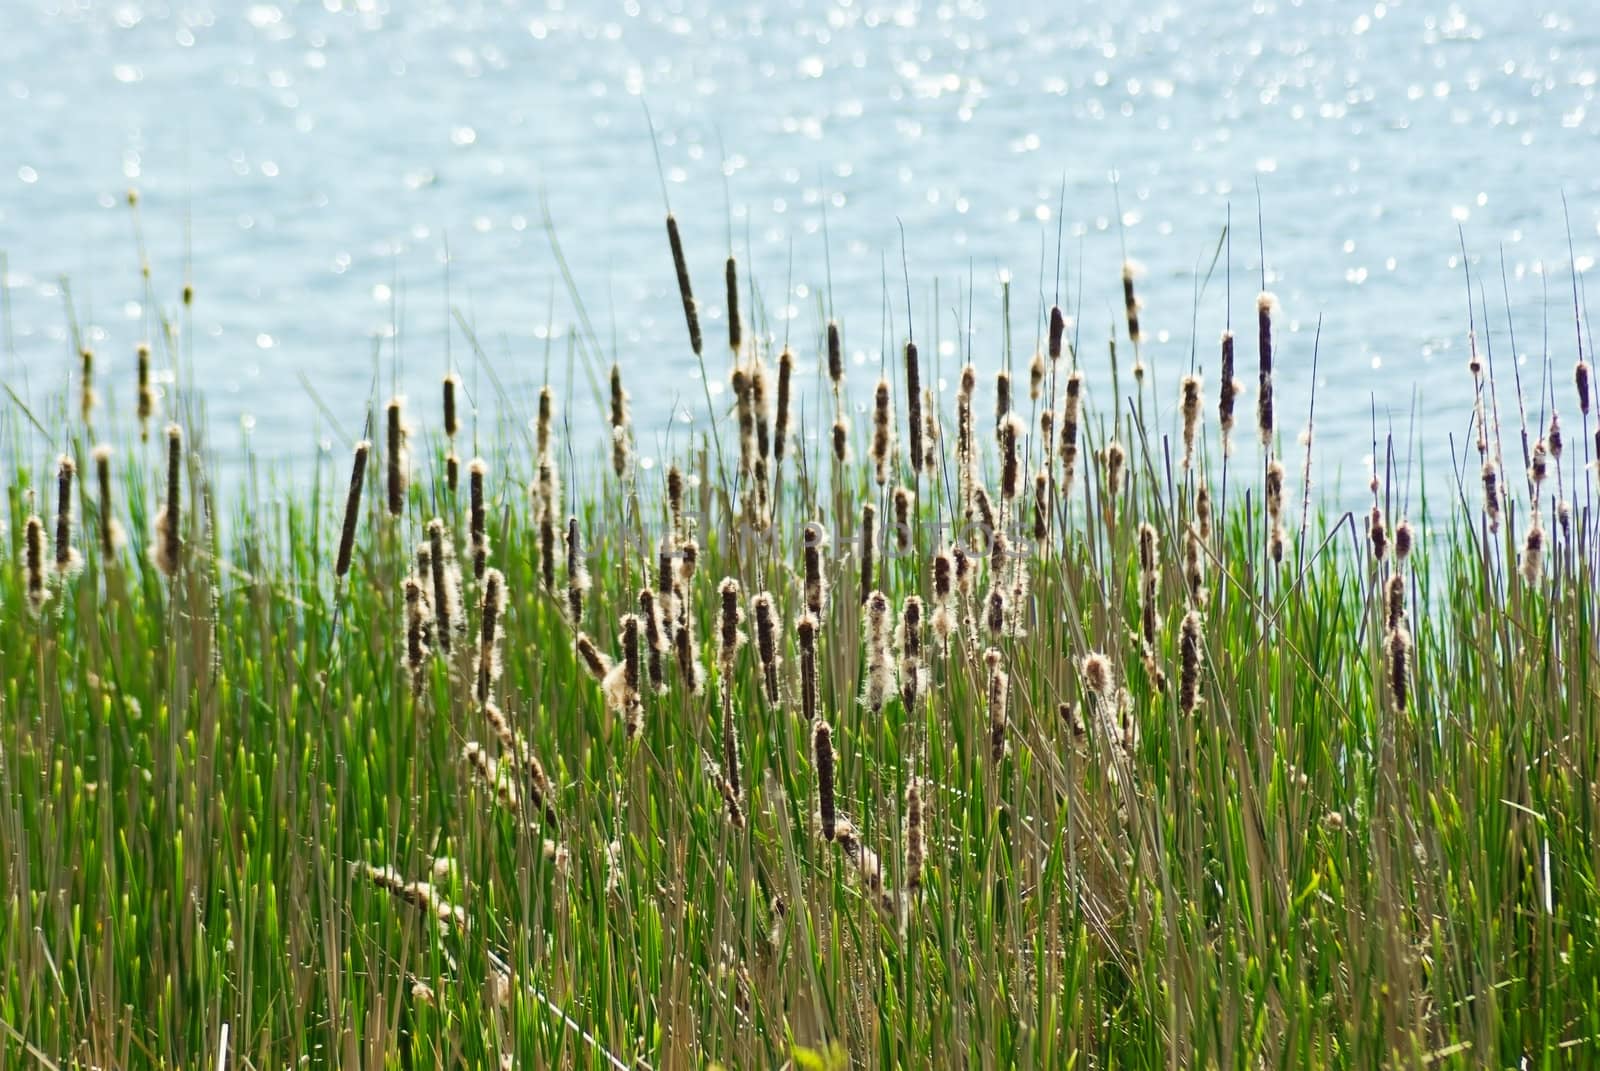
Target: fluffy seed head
[(1190, 657)]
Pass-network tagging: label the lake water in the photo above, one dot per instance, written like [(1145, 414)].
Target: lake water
[(309, 163)]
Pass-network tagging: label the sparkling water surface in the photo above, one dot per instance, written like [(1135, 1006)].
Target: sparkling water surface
[(335, 176)]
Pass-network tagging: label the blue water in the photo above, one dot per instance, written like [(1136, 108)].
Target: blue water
[(308, 165)]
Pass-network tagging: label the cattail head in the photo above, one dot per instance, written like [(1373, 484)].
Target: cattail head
[(1491, 495), (675, 501), (1036, 373), (880, 681), (916, 852), (822, 749), (869, 548), (998, 695), (805, 632), (33, 549), (1230, 389), (767, 636), (1580, 379), (1403, 538), (1533, 551), (882, 432), (147, 394), (1264, 306), (1115, 459), (835, 355), (416, 623), (168, 550), (816, 582), (352, 509), (1553, 436), (1399, 652), (731, 278), (1149, 579), (1041, 506), (452, 419), (1190, 404), (395, 454), (619, 423), (1058, 327), (595, 663), (1189, 654), (1538, 468), (656, 642), (577, 571), (841, 440), (67, 559), (1002, 397), (547, 412), (680, 264), (1011, 431), (1097, 675), (914, 404), (994, 610), (903, 500), (110, 530), (729, 636), (908, 638), (780, 428), (1202, 511), (1194, 573), (1394, 599), (1377, 533), (488, 668), (477, 470), (1274, 495), (86, 383), (446, 578)]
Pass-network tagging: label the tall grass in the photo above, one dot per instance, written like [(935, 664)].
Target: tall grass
[(281, 784)]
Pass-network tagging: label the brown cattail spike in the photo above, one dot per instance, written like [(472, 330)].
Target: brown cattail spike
[(731, 275), (914, 404), (395, 453), (169, 521), (1264, 305), (835, 356), (452, 422), (680, 265), (67, 559), (822, 749), (1058, 327), (780, 429), (147, 394), (33, 545), (352, 509), (478, 527), (1189, 654)]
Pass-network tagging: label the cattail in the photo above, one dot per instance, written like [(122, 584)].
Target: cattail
[(1202, 511), (675, 501), (1228, 393), (1377, 534), (1580, 379), (110, 530), (731, 276), (1097, 675), (596, 664), (1394, 597), (1036, 372), (547, 411), (446, 585), (731, 615), (1274, 489), (1402, 540), (880, 683), (1058, 327), (1264, 304), (352, 509), (419, 894), (805, 630), (690, 314), (1538, 467), (882, 432), (767, 635), (822, 748), (1002, 399), (730, 637), (489, 634), (914, 404), (1115, 457), (33, 545), (902, 519), (1069, 427), (619, 423), (416, 632), (1399, 656), (758, 407), (1277, 543), (168, 550), (1553, 437), (1011, 430), (67, 559), (476, 471), (841, 440), (780, 428), (547, 551), (816, 582), (943, 592), (1491, 495), (1189, 656), (147, 394), (1041, 506), (536, 783), (1191, 417), (395, 444), (1149, 564), (869, 546), (689, 667), (740, 382), (655, 640), (994, 614), (916, 851), (577, 572), (908, 639), (1194, 567), (621, 684), (1533, 551), (868, 867), (86, 383), (835, 356), (999, 693), (452, 422)]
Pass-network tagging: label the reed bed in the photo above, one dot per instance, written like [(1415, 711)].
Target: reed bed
[(1062, 743)]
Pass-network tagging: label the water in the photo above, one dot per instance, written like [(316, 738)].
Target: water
[(308, 164)]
